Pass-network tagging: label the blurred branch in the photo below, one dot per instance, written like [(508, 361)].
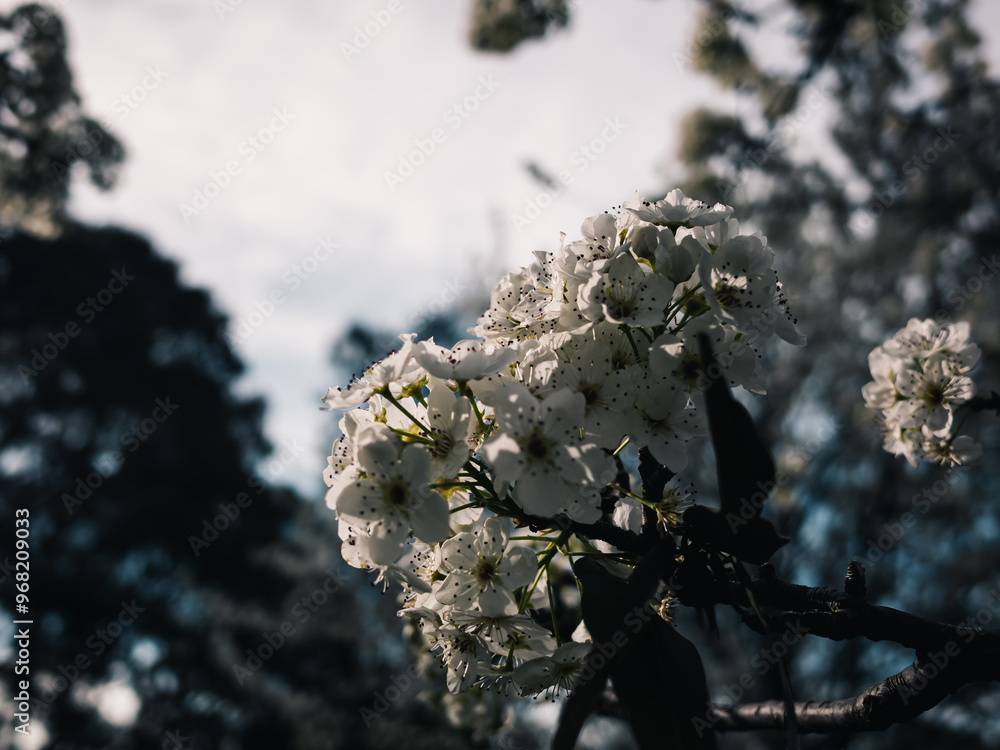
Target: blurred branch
[(898, 698), (949, 657)]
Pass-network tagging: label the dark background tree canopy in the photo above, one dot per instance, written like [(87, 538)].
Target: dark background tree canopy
[(859, 254), (162, 544)]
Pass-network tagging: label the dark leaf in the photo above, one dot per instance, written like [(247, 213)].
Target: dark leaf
[(744, 464), (662, 683), (756, 541), (657, 673)]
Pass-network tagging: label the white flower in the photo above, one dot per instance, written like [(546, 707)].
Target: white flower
[(663, 422), (466, 655), (607, 392), (710, 237), (919, 378), (678, 356), (959, 450), (355, 549), (504, 632), (391, 495), (466, 360), (601, 231), (881, 393), (397, 367), (576, 261), (339, 459), (624, 293), (677, 208), (451, 427), (742, 288), (623, 356), (675, 261), (481, 574), (524, 305), (928, 393), (540, 449), (561, 671), (902, 441), (924, 338)]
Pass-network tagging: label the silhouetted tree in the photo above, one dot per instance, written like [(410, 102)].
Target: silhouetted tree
[(44, 134), (179, 596), (501, 25)]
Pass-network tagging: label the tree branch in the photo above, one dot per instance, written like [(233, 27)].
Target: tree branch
[(839, 616), (625, 540), (948, 657), (899, 698)]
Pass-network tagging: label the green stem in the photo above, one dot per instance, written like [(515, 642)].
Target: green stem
[(387, 395), (529, 539), (672, 309), (621, 447), (411, 436), (631, 340), (961, 424), (463, 389), (463, 507), (552, 607), (547, 554), (627, 493)]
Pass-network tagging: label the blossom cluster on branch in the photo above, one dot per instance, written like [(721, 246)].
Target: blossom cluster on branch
[(583, 358), (920, 381), (484, 476)]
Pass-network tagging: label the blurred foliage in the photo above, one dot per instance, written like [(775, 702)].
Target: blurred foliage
[(870, 161), (120, 432), (44, 134), (501, 25), (865, 144)]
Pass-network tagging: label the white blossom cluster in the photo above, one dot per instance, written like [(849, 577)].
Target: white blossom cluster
[(589, 352), (920, 379)]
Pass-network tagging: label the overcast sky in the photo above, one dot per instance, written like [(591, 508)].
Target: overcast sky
[(368, 162)]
